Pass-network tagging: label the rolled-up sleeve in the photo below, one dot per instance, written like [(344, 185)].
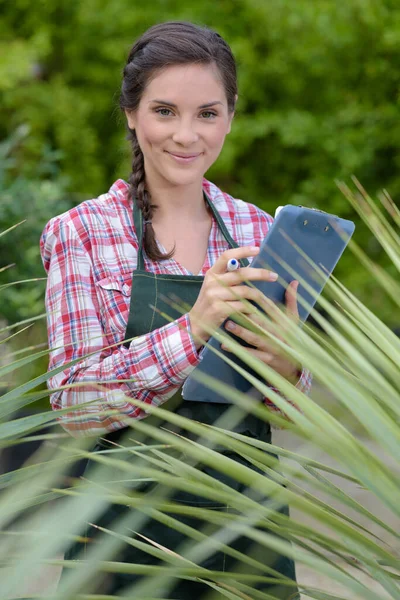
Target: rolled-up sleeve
[(304, 385), (151, 369)]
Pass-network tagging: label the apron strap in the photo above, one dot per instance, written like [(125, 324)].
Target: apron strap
[(243, 262), (138, 222)]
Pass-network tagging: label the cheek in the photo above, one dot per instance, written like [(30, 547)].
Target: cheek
[(216, 137), (151, 134)]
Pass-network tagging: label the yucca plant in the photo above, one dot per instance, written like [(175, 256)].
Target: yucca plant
[(350, 442)]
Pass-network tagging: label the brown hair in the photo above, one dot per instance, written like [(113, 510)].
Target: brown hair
[(164, 45)]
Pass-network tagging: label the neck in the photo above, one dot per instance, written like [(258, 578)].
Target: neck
[(177, 203)]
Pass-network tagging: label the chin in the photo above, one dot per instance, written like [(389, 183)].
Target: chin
[(183, 177)]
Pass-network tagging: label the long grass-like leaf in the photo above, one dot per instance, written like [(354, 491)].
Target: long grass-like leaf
[(7, 231)]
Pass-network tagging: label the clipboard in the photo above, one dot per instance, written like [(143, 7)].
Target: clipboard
[(303, 243)]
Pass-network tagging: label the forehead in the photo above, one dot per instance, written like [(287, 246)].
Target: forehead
[(185, 83)]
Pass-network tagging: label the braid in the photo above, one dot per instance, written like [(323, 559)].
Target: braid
[(141, 195)]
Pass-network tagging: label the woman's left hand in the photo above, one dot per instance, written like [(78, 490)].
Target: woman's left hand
[(264, 348)]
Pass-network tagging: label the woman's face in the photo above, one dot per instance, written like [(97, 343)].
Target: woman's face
[(181, 123)]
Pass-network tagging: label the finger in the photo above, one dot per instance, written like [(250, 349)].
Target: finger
[(246, 335), (273, 321), (265, 357), (238, 307), (243, 252), (239, 293), (273, 310), (291, 300), (243, 292), (245, 274), (261, 324)]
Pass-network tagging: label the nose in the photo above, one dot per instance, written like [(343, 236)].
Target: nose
[(185, 134)]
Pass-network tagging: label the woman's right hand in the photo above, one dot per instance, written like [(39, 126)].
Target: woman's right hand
[(222, 293)]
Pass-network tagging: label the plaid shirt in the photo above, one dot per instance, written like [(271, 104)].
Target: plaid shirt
[(89, 254)]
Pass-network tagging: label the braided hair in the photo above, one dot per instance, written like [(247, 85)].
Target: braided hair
[(161, 46)]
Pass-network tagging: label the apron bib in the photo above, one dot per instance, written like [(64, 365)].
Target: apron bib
[(151, 296)]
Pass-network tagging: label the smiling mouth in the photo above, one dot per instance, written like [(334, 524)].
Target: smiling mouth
[(184, 159), (179, 155)]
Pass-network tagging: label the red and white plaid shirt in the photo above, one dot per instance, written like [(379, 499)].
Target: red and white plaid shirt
[(89, 254)]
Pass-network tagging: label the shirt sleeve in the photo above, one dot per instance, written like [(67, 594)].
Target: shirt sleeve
[(155, 364), (304, 385)]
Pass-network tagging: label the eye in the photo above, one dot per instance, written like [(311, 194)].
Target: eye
[(164, 112), (208, 114)]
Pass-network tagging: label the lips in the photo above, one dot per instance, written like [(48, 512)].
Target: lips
[(184, 159), (180, 155)]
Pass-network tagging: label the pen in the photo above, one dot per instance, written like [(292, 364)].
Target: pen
[(232, 264)]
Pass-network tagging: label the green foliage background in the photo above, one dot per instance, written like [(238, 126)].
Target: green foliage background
[(319, 101)]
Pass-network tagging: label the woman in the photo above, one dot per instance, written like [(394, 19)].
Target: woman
[(167, 232)]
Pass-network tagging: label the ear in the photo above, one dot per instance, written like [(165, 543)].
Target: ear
[(130, 117)]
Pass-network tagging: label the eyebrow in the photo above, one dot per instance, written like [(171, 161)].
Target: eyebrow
[(208, 105)]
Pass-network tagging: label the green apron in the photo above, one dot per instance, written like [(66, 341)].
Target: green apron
[(150, 297)]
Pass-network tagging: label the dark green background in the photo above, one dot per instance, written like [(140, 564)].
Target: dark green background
[(319, 101)]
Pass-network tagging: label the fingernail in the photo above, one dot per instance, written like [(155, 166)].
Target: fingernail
[(254, 248), (230, 325), (273, 276)]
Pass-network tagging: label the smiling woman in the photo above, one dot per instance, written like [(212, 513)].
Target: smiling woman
[(181, 127), (114, 261)]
